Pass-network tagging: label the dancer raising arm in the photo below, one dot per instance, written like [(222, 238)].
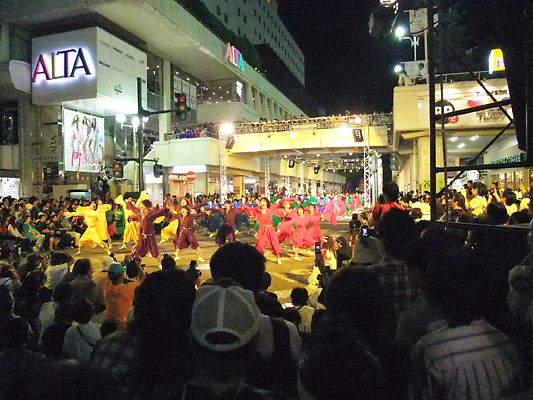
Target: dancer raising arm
[(90, 237), (185, 236), (147, 243), (266, 236)]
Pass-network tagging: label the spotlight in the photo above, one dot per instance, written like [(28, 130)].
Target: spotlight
[(316, 169), (291, 163), (227, 128), (120, 118)]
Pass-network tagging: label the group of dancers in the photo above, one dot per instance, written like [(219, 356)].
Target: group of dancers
[(289, 219)]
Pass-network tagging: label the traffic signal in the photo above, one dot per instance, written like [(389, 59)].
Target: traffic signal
[(158, 170), (181, 106), (118, 170)]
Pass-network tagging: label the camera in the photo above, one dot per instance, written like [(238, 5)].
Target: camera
[(193, 273), (364, 231)]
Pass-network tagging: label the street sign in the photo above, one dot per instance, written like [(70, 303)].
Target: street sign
[(191, 176)]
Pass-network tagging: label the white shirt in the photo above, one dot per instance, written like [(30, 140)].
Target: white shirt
[(264, 341), (46, 316), (54, 274), (80, 345)]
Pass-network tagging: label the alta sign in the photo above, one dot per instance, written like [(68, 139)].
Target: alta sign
[(68, 63), (234, 56)]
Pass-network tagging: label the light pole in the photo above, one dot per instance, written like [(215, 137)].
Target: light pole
[(415, 41)]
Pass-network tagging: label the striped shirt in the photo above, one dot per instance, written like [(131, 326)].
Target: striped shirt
[(474, 361)]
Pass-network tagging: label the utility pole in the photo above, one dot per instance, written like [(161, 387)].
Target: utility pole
[(140, 144)]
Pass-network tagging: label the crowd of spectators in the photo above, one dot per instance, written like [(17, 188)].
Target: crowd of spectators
[(426, 313), (204, 130)]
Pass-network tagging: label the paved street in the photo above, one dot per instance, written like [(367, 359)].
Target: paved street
[(286, 276)]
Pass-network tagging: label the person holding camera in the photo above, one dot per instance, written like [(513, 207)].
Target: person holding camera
[(367, 249)]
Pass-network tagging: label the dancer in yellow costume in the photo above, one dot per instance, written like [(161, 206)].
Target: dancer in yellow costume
[(133, 226), (169, 232), (101, 222), (90, 237)]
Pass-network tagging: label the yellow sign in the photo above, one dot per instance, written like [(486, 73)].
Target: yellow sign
[(496, 61)]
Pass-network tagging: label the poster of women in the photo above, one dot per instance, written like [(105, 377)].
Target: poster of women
[(83, 141)]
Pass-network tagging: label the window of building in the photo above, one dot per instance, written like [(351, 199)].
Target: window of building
[(226, 18), (255, 13), (218, 11), (223, 91), (239, 12), (244, 18), (239, 31)]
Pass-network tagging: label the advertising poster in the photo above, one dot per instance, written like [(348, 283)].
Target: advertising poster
[(83, 141)]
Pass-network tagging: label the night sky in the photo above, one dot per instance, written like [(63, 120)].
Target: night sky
[(346, 68)]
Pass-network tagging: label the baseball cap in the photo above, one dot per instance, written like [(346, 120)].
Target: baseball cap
[(106, 262), (116, 269), (224, 318)]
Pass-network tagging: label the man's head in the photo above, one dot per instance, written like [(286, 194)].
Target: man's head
[(115, 272), (391, 191), (396, 229), (224, 318), (299, 296), (241, 262)]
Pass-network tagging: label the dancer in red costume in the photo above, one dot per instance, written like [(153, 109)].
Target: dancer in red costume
[(185, 236), (285, 228), (301, 239), (148, 215), (266, 236), (315, 217)]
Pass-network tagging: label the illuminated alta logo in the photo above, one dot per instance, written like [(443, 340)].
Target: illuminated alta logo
[(234, 56), (68, 63)]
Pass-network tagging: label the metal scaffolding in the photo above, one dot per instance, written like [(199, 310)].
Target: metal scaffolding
[(267, 176), (223, 175), (438, 121), (368, 166)]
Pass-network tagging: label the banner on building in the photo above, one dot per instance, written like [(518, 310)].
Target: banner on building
[(83, 141)]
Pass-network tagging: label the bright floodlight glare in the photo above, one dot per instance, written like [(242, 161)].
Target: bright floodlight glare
[(461, 145), (398, 68), (345, 130), (474, 138), (454, 139), (400, 32), (120, 118), (291, 134), (358, 120), (135, 121), (145, 118), (227, 128)]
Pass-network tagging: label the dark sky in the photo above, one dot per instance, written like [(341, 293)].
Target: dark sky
[(346, 68)]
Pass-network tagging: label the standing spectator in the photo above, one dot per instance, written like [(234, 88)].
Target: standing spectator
[(391, 193), (118, 295), (82, 338), (396, 229), (9, 278), (462, 357), (344, 250), (478, 203)]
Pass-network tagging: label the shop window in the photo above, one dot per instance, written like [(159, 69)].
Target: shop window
[(223, 91), (9, 124)]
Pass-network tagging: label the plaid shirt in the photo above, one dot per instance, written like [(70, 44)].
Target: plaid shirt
[(116, 353), (399, 292)]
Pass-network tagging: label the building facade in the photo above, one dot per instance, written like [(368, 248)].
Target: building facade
[(69, 97), (259, 22)]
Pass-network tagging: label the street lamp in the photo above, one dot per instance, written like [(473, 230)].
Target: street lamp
[(398, 68), (415, 41)]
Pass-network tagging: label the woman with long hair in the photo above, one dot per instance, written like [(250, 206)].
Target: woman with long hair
[(91, 235), (300, 239), (147, 215), (185, 236)]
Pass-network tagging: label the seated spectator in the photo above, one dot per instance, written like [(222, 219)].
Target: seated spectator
[(61, 295), (225, 319), (344, 250), (278, 342), (9, 278), (118, 295), (33, 261), (462, 357), (33, 235), (82, 338), (15, 359), (66, 380), (108, 327), (168, 263), (30, 297), (59, 267), (149, 368), (300, 299), (334, 365), (54, 335), (83, 286)]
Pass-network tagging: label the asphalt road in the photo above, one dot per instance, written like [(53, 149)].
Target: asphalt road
[(288, 275)]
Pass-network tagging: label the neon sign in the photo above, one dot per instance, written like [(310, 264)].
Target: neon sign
[(234, 56), (58, 66)]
